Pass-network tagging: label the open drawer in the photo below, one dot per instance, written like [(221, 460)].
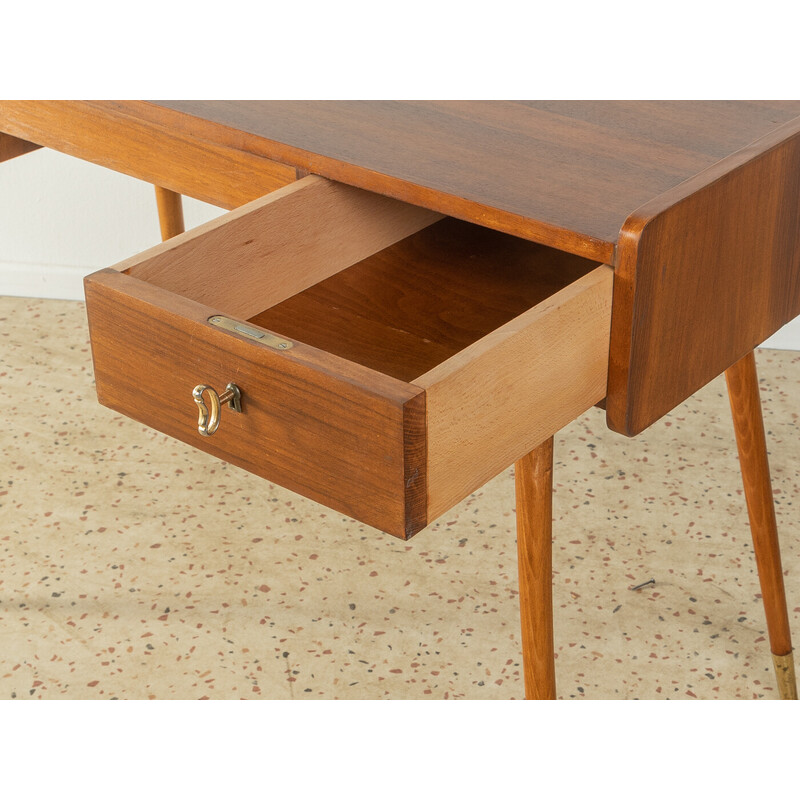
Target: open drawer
[(390, 361)]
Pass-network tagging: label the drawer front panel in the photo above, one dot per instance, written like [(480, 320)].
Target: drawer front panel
[(333, 431)]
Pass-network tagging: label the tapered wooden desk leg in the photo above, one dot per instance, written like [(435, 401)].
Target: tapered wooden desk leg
[(749, 426), (170, 212), (534, 486)]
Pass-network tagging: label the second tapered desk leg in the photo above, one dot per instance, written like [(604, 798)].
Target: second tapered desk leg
[(170, 212), (748, 423), (534, 489)]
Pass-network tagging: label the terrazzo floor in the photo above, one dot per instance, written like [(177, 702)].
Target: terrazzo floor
[(132, 566)]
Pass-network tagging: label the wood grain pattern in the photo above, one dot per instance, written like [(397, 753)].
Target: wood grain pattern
[(316, 424), (415, 304), (184, 162), (170, 213), (534, 493), (11, 147), (276, 246), (566, 174), (705, 273), (503, 375), (748, 424), (505, 394)]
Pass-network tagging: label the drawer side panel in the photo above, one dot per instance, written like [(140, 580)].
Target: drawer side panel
[(504, 395)]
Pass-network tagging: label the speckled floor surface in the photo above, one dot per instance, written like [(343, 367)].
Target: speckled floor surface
[(132, 566)]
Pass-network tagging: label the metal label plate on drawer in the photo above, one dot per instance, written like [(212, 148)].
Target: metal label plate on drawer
[(251, 332)]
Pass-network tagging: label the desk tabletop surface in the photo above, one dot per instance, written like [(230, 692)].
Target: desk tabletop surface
[(567, 173)]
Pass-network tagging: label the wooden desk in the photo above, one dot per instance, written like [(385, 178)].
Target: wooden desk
[(695, 206)]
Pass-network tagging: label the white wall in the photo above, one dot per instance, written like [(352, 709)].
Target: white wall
[(62, 218)]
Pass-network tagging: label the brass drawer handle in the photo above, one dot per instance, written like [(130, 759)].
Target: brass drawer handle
[(207, 423)]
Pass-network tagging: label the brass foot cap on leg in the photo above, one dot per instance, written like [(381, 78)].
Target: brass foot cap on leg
[(784, 672)]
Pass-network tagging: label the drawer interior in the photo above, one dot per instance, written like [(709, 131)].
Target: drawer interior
[(413, 305), (420, 355)]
